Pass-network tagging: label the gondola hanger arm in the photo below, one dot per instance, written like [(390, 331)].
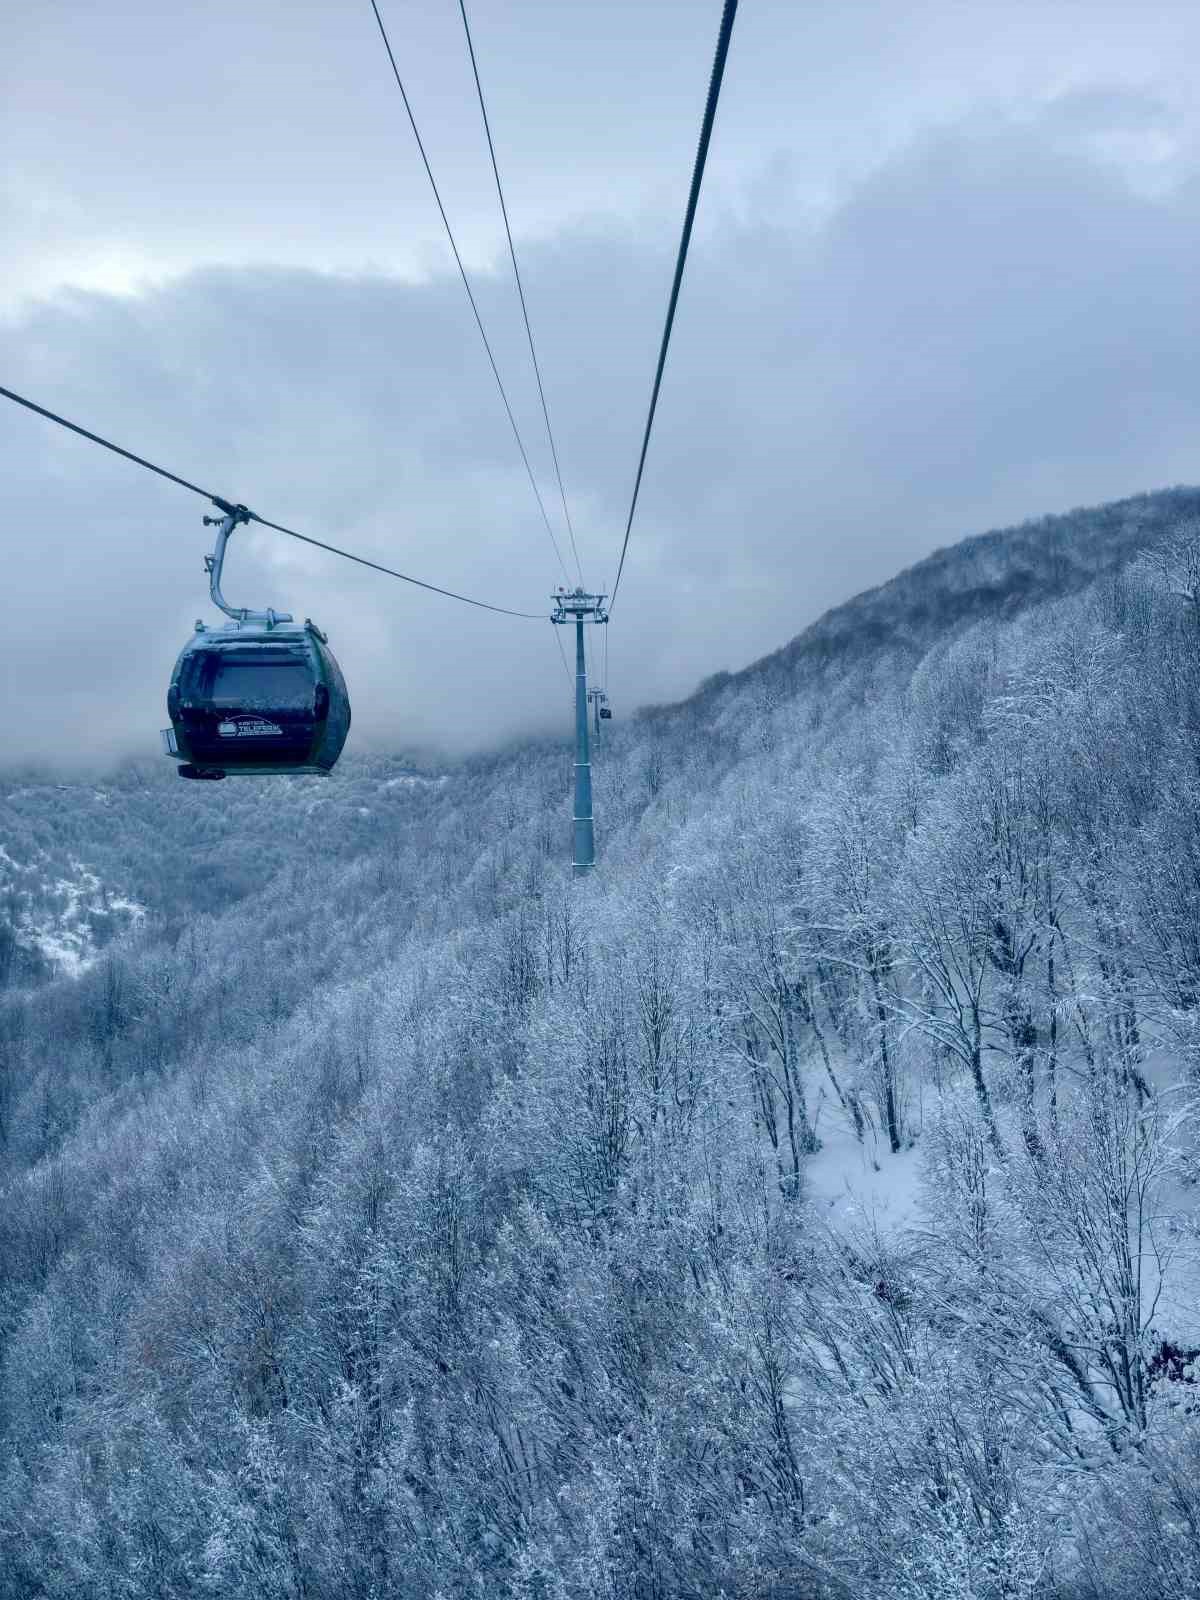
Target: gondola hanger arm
[(214, 563)]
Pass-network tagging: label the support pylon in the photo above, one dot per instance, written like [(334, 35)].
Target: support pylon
[(577, 607)]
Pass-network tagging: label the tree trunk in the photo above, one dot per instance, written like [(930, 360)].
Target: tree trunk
[(885, 1064), (981, 1088)]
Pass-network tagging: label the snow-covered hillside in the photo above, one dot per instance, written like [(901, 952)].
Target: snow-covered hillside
[(61, 923), (804, 1205)]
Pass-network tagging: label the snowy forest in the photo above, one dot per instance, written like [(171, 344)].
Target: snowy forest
[(804, 1206)]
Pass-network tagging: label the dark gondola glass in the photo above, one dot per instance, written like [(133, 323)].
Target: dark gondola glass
[(255, 699)]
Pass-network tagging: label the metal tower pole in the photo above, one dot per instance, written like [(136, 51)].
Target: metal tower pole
[(585, 832), (577, 607)]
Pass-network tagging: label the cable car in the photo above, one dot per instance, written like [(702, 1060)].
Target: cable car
[(605, 714), (258, 696)]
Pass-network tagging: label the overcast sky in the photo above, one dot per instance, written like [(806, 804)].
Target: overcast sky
[(943, 280)]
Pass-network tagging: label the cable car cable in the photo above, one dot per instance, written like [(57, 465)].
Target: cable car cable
[(141, 461), (467, 286), (706, 127), (563, 655), (390, 572), (537, 371), (228, 506)]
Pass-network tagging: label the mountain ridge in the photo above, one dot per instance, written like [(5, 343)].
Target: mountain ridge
[(1045, 561)]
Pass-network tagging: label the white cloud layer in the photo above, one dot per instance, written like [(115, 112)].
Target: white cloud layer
[(901, 325)]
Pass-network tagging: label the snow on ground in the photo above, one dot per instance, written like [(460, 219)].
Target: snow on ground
[(58, 918), (413, 781), (1175, 1279), (70, 950), (852, 1183), (862, 1189), (130, 908)]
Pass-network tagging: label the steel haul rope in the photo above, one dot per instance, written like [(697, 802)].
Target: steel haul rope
[(462, 272), (706, 127), (537, 371), (228, 506)]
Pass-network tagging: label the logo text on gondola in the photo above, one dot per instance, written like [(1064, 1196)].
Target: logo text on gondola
[(248, 728)]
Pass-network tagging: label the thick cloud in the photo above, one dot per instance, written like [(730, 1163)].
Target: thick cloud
[(992, 324), (141, 140)]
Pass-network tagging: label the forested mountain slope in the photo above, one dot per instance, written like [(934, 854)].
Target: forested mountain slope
[(385, 1214), (991, 576)]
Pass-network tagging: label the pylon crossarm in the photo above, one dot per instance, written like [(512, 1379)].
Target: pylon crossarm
[(576, 605)]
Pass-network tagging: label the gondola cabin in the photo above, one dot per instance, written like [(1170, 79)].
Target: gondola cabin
[(259, 696), (253, 699)]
